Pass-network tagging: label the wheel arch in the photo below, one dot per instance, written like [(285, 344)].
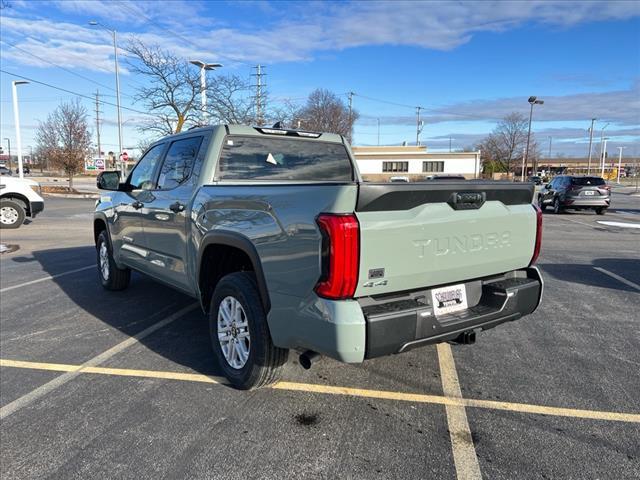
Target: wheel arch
[(18, 196), (241, 255)]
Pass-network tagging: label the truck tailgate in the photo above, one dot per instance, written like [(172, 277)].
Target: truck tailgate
[(419, 235)]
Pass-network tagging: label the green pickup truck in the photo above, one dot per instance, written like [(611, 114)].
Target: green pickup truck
[(285, 247)]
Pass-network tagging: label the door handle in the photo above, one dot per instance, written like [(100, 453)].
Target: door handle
[(176, 207), (137, 205)]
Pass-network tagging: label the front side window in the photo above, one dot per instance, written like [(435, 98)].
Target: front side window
[(178, 163), (142, 175), (264, 158)]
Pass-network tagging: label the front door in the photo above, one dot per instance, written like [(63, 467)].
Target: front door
[(127, 230), (165, 217)]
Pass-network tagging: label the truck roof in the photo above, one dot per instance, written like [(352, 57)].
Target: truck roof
[(266, 131)]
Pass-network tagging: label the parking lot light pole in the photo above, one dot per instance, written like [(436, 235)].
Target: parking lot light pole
[(619, 163), (115, 51), (203, 83), (604, 155), (593, 121), (16, 118), (532, 101), (9, 148)]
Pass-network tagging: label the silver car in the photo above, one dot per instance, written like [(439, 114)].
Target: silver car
[(576, 193)]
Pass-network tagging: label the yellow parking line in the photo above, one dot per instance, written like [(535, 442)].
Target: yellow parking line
[(464, 452), (354, 392)]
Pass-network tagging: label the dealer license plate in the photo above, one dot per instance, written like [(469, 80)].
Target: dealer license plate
[(449, 299)]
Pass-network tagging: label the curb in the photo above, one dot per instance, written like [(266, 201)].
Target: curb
[(72, 195)]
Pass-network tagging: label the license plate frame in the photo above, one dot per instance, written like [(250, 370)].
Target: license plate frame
[(449, 299)]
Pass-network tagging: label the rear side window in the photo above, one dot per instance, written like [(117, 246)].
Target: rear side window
[(587, 181), (262, 158), (178, 162)]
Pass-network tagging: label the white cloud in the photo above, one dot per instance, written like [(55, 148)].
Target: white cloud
[(298, 31)]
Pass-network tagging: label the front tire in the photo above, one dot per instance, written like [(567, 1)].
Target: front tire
[(111, 277), (541, 205), (240, 335), (600, 210), (12, 214), (557, 208)]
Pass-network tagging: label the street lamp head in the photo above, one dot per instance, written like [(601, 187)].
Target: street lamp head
[(206, 66), (197, 63), (532, 99), (19, 82), (539, 102), (93, 22)]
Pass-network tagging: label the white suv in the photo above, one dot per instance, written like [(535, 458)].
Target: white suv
[(19, 198)]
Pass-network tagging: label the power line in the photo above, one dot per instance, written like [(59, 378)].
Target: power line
[(63, 68), (72, 92)]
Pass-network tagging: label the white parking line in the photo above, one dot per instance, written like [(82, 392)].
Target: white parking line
[(50, 277), (464, 452), (618, 277), (95, 361)]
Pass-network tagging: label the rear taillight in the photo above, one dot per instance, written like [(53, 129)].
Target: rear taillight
[(538, 244), (340, 255)]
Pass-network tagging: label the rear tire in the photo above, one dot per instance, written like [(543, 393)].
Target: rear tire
[(12, 214), (600, 210), (240, 335), (111, 277)]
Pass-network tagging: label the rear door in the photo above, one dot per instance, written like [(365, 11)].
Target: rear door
[(588, 187), (419, 235), (164, 215)]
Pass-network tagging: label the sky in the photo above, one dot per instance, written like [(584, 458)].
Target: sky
[(466, 64)]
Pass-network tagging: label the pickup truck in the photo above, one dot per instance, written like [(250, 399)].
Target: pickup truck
[(285, 247), (19, 198)]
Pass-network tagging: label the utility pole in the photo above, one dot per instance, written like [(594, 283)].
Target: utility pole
[(593, 120), (351, 94), (9, 147), (98, 122), (449, 144), (259, 95), (550, 140), (419, 125), (378, 132)]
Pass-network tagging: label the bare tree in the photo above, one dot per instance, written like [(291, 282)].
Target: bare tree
[(172, 91), (64, 138), (506, 144), (230, 101), (324, 111)]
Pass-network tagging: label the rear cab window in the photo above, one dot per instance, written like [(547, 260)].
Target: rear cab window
[(283, 159), (587, 181)]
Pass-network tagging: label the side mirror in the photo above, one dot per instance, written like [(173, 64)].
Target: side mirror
[(548, 186), (108, 180)]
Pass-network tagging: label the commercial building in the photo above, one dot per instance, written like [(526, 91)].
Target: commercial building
[(416, 163)]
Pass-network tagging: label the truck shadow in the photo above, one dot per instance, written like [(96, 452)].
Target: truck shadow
[(145, 302), (586, 274)]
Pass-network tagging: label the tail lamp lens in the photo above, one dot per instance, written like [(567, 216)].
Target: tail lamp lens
[(538, 244), (340, 256)]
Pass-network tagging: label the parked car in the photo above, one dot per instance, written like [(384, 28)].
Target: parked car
[(399, 179), (5, 171), (19, 199), (445, 177), (577, 193), (535, 179), (285, 247), (25, 169)]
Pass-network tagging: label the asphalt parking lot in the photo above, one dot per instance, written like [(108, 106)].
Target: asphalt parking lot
[(97, 384)]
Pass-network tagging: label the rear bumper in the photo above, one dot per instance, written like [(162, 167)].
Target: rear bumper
[(400, 324), (586, 202)]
